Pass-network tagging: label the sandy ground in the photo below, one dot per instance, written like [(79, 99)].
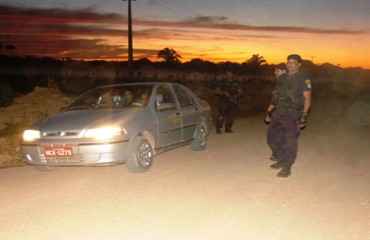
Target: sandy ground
[(227, 192)]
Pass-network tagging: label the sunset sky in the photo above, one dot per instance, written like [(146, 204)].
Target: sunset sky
[(324, 31)]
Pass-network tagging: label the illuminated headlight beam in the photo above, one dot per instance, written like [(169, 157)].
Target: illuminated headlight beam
[(30, 135), (104, 132)]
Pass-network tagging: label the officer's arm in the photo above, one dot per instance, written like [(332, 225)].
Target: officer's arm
[(306, 107), (271, 108), (307, 101), (269, 111), (222, 92)]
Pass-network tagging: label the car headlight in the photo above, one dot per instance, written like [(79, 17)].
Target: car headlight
[(30, 135), (104, 132)]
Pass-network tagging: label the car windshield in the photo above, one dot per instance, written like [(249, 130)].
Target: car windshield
[(123, 96)]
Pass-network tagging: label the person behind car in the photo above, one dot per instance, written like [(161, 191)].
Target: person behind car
[(117, 99), (141, 100), (280, 69), (229, 91), (129, 97), (105, 99)]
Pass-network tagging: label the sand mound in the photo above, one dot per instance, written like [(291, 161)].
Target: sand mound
[(25, 110)]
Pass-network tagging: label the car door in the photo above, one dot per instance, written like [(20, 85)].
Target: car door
[(189, 111), (168, 117)]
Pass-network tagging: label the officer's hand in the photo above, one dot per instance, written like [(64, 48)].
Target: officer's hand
[(268, 117), (227, 94), (302, 121)]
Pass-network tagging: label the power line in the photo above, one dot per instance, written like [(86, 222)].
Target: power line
[(174, 6), (183, 8)]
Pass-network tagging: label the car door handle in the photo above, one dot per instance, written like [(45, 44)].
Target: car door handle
[(177, 114)]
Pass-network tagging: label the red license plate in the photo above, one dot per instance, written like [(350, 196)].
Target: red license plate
[(58, 151)]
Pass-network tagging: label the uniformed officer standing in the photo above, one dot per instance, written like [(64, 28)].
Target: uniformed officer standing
[(280, 69), (229, 91), (291, 104)]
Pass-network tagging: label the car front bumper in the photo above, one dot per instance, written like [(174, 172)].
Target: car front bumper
[(83, 154)]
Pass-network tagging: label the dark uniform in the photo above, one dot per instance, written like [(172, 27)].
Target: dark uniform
[(228, 106), (283, 132)]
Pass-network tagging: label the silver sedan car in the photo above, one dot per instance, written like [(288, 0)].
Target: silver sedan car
[(122, 123)]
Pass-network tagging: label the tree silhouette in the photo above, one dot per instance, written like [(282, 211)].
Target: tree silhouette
[(254, 65), (169, 55), (256, 60), (9, 48)]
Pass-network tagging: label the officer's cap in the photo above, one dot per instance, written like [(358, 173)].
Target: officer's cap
[(295, 57)]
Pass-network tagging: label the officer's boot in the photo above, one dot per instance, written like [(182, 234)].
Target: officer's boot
[(285, 171), (279, 164)]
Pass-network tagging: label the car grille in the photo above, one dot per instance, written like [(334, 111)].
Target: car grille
[(61, 134)]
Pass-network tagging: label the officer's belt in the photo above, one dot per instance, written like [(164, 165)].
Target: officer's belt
[(287, 109)]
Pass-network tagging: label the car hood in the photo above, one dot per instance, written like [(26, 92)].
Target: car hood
[(82, 119)]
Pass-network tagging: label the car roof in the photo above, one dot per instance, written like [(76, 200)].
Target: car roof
[(137, 84)]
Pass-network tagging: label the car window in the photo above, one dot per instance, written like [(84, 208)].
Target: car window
[(164, 99), (120, 96), (183, 96)]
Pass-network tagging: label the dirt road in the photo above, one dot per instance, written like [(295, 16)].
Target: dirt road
[(225, 192)]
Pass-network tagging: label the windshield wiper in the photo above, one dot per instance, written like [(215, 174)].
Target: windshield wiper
[(79, 107)]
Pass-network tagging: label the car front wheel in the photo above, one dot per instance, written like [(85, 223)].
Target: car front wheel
[(200, 139), (141, 156)]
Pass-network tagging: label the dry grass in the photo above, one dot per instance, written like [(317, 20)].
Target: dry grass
[(10, 137), (10, 154)]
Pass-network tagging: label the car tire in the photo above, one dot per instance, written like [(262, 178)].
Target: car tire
[(141, 155), (200, 139)]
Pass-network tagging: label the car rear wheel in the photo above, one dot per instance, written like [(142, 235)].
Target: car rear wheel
[(200, 139), (141, 156)]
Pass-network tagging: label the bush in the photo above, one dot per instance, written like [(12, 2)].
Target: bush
[(5, 94), (5, 101), (6, 89)]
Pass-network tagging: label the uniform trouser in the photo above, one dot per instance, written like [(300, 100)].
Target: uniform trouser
[(227, 111), (283, 134)]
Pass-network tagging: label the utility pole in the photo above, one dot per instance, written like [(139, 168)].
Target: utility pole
[(130, 49)]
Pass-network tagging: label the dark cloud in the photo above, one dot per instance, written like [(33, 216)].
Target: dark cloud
[(58, 32), (207, 19), (210, 23), (56, 15), (37, 45)]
